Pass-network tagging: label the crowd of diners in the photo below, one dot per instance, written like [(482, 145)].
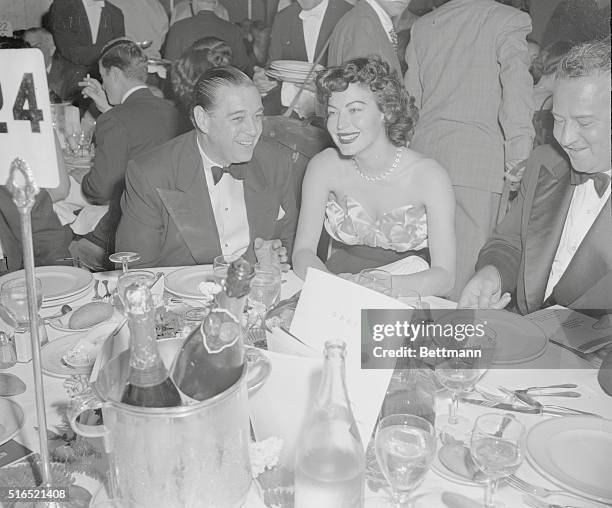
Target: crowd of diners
[(436, 112)]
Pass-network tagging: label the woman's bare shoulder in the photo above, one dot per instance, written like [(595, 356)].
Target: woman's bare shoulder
[(327, 161)]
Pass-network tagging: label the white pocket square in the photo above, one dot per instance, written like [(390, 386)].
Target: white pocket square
[(281, 213)]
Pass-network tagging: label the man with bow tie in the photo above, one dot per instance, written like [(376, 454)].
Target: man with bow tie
[(554, 245), (214, 190)]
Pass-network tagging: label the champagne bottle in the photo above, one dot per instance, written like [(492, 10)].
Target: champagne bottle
[(211, 358), (330, 463), (148, 383)]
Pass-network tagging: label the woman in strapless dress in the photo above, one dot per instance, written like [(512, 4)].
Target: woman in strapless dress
[(383, 204)]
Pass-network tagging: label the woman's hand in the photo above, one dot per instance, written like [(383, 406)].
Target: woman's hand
[(93, 89)]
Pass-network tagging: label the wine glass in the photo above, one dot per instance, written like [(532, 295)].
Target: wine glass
[(133, 277), (14, 298), (124, 258), (378, 280), (461, 373), (405, 447), (496, 447)]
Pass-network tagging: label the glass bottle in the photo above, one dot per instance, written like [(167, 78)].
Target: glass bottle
[(330, 462), (211, 358), (148, 383)]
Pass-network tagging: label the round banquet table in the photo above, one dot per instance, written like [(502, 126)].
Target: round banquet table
[(593, 400)]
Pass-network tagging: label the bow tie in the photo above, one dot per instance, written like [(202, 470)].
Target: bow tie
[(601, 181), (236, 172)]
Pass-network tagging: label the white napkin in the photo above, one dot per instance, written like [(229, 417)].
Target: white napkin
[(305, 106)]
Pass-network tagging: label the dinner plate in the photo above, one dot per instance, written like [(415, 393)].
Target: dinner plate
[(185, 281), (283, 77), (518, 339), (58, 282), (292, 64), (11, 419), (575, 452)]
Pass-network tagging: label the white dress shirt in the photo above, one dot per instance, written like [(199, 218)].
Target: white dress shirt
[(584, 209), (93, 8), (311, 24), (385, 20), (229, 209)]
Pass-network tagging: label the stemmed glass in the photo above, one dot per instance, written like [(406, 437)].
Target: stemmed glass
[(460, 375), (497, 449), (405, 447), (125, 258)]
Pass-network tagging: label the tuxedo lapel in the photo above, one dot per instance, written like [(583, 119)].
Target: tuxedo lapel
[(190, 208), (591, 262), (297, 39), (544, 227)]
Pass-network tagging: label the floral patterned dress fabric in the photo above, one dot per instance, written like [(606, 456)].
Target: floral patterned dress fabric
[(401, 229)]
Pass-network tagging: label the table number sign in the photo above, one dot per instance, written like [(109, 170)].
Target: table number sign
[(26, 127), (6, 29)]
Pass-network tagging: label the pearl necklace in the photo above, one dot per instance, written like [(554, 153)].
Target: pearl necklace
[(381, 176)]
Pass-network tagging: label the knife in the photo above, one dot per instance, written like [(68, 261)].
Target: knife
[(454, 500), (503, 406), (579, 354), (595, 344)]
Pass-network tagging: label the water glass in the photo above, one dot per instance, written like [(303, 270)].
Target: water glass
[(405, 448), (220, 266), (378, 280), (14, 298), (133, 277), (266, 286), (496, 447)]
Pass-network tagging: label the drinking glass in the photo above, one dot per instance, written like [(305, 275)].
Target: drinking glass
[(409, 297), (405, 447), (220, 265), (460, 375), (378, 280), (14, 298), (133, 277), (125, 258), (496, 447), (265, 286)]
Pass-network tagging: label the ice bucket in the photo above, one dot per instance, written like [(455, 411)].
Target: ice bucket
[(196, 456)]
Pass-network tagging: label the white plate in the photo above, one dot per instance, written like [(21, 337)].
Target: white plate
[(575, 452), (58, 282), (185, 281), (81, 296), (52, 353), (11, 419), (518, 339), (283, 77), (295, 65)]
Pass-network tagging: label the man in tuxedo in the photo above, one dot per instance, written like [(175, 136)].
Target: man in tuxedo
[(80, 29), (553, 246), (367, 29), (214, 190), (138, 121), (206, 23)]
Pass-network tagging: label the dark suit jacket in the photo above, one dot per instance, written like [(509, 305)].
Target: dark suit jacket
[(359, 33), (141, 123), (72, 36), (525, 243), (186, 31), (51, 239), (167, 216), (287, 39)]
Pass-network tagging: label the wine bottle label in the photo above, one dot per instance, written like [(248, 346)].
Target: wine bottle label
[(220, 330)]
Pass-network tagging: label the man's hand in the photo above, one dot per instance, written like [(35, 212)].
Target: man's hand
[(483, 291), (271, 252), (93, 89), (262, 82)]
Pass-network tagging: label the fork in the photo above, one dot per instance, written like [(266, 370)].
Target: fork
[(536, 490), (537, 503), (108, 293), (96, 295)]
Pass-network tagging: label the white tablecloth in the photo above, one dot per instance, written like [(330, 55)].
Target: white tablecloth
[(593, 399)]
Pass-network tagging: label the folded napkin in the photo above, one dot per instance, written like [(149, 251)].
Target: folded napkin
[(305, 106), (88, 218)]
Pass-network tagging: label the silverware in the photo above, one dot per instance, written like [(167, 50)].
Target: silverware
[(595, 344), (96, 295), (543, 410), (63, 311), (591, 361), (108, 293), (536, 503), (532, 388), (534, 490)]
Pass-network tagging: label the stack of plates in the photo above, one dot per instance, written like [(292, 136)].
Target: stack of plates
[(60, 284), (292, 71)]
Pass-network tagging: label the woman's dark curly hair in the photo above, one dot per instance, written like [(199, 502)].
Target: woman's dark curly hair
[(391, 97)]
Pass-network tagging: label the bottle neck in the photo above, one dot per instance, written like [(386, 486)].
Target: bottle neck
[(143, 351), (234, 305), (332, 391)]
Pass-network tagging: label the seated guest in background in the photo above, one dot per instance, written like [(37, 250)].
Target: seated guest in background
[(368, 29), (80, 30), (554, 244), (185, 32), (214, 190), (220, 51), (145, 20), (380, 200), (138, 122), (51, 239), (186, 71), (544, 68), (257, 42), (189, 8), (43, 40)]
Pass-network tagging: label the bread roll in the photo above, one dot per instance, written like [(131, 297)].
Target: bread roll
[(90, 314)]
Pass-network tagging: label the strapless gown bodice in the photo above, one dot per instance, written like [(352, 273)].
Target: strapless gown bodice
[(401, 229)]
